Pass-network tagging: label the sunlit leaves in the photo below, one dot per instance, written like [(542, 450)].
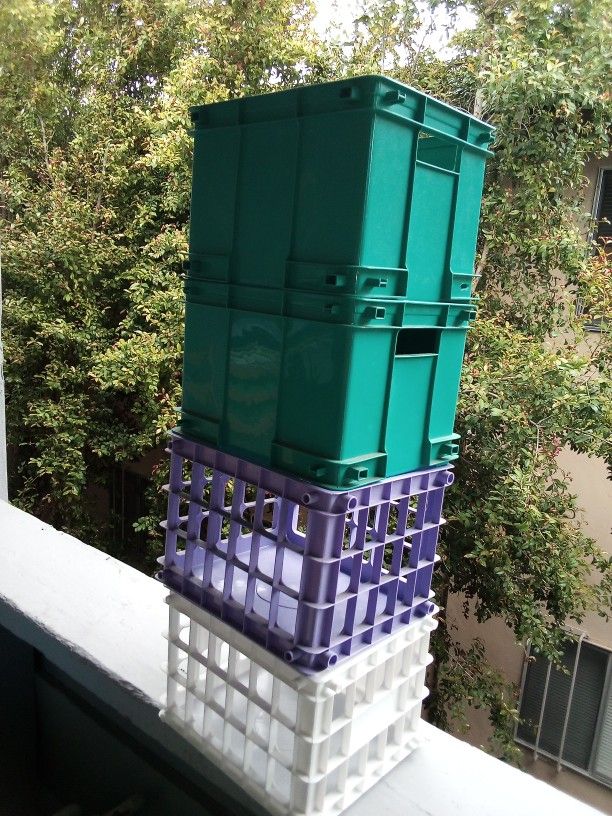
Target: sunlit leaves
[(94, 194)]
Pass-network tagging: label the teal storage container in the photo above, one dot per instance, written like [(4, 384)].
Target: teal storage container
[(339, 391), (363, 186)]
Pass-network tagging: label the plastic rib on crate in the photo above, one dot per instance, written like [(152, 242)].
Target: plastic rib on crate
[(311, 574), (298, 744)]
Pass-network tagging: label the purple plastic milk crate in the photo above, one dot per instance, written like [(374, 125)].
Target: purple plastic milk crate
[(309, 573)]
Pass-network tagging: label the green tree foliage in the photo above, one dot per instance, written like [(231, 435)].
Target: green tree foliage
[(95, 202), (95, 193)]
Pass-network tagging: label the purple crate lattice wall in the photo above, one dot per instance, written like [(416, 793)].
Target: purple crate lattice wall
[(311, 574)]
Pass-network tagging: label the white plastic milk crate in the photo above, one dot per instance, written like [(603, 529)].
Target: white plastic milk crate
[(299, 744)]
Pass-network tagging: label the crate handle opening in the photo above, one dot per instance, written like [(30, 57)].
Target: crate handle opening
[(416, 341), (348, 92), (438, 152)]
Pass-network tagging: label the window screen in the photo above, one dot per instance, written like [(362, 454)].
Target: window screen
[(602, 765), (602, 213), (566, 710), (603, 209)]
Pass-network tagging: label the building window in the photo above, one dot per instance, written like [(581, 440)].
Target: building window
[(602, 233), (566, 712), (602, 209)]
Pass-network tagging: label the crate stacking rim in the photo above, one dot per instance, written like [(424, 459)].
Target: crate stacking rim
[(313, 575), (296, 744)]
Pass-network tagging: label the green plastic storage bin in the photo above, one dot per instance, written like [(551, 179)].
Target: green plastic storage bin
[(339, 396), (363, 186)]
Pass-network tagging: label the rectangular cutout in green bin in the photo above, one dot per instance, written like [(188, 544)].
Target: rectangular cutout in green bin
[(363, 186), (416, 341)]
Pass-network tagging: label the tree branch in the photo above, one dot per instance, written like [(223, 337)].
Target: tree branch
[(101, 177), (45, 145)]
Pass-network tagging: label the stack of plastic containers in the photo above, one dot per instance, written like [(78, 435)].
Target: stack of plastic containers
[(333, 233)]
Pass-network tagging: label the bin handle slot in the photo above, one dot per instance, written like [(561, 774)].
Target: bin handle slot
[(438, 153), (348, 92), (417, 341)]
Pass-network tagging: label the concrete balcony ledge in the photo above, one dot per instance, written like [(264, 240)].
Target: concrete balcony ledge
[(81, 688)]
